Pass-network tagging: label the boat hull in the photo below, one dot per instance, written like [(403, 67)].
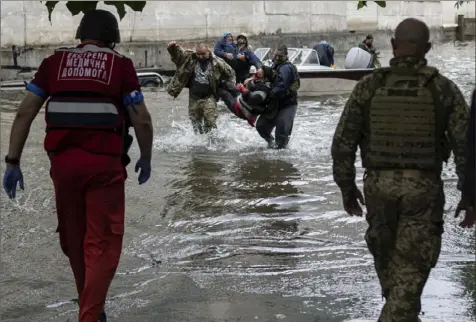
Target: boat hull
[(315, 87), (314, 83)]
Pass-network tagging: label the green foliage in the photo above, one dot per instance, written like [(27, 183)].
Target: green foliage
[(382, 4), (458, 4), (76, 7), (362, 4)]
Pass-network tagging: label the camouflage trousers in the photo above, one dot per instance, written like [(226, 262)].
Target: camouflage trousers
[(405, 218), (203, 114)]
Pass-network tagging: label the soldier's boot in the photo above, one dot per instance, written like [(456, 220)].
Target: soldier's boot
[(209, 120), (197, 127), (208, 128)]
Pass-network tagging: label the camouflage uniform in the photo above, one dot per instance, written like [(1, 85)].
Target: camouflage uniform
[(202, 112), (404, 138), (469, 190)]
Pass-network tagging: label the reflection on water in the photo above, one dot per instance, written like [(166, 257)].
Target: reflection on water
[(227, 230), (268, 182), (196, 188)]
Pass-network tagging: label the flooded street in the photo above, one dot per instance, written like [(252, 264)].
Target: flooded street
[(226, 230)]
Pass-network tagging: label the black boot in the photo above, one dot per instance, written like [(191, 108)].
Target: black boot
[(103, 317), (271, 144)]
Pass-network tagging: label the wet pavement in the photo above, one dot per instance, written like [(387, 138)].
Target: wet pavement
[(226, 230)]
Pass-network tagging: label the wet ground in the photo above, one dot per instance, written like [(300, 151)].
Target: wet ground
[(226, 230)]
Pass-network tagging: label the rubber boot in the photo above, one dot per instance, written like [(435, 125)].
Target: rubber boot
[(271, 143), (103, 317)]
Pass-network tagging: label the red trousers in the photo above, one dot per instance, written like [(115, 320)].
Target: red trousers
[(90, 206)]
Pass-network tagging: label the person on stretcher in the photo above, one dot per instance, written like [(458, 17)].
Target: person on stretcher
[(248, 100)]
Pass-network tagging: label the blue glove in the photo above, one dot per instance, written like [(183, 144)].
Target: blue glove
[(144, 166), (11, 177)]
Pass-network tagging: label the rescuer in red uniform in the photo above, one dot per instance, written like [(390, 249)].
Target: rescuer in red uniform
[(93, 97)]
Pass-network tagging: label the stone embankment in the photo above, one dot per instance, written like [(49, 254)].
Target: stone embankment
[(298, 23)]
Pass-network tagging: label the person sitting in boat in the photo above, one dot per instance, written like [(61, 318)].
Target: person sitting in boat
[(226, 49), (248, 100), (326, 53), (245, 59), (368, 46)]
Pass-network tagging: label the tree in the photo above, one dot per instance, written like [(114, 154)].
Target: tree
[(383, 4), (75, 7), (362, 4)]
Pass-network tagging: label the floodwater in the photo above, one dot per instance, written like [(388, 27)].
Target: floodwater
[(226, 230)]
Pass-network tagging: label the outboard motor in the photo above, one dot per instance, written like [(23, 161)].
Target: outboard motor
[(357, 58)]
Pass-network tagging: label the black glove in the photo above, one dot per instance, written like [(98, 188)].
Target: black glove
[(351, 200), (128, 139)]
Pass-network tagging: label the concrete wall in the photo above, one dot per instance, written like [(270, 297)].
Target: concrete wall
[(26, 22), (295, 23), (467, 9)]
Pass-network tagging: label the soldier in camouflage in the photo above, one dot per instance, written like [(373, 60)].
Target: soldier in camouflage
[(406, 119), (201, 73), (469, 187)]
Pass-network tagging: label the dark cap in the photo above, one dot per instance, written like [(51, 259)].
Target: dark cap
[(369, 37)]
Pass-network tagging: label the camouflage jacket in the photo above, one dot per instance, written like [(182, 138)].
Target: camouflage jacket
[(350, 130), (371, 50), (185, 61)]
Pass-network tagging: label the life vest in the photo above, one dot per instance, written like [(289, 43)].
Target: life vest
[(291, 93), (295, 83), (85, 111), (405, 123)]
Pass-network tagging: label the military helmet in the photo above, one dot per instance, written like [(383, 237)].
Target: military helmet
[(100, 25)]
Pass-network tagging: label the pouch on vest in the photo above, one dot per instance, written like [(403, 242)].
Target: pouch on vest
[(295, 83), (405, 122)]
